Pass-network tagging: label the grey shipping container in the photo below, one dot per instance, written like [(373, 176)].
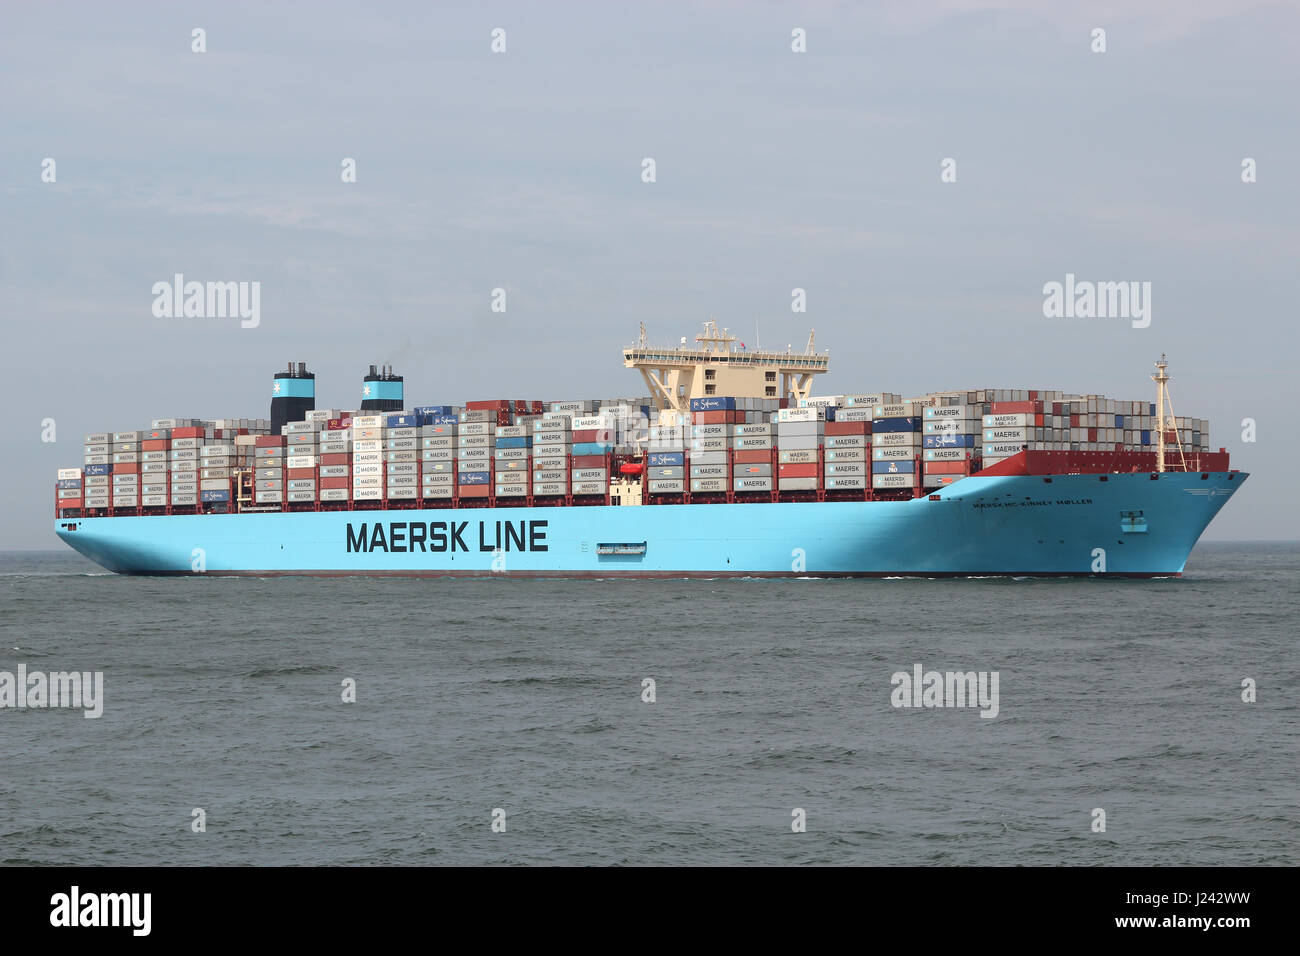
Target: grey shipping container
[(703, 485), (797, 442), (708, 471), (796, 484), (752, 484), (667, 486), (799, 456), (709, 458)]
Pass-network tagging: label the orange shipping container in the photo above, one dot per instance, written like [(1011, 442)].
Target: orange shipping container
[(946, 467), (755, 457), (798, 471), (848, 428)]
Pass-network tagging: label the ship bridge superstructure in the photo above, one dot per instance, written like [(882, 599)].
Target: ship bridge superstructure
[(720, 364)]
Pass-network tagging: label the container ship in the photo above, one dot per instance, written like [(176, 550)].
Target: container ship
[(729, 467)]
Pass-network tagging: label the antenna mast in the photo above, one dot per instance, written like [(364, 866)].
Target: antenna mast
[(1161, 378)]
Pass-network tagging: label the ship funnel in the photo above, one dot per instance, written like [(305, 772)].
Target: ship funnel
[(381, 390), (293, 395)]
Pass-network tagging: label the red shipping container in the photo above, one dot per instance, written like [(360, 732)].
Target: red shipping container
[(336, 458), (808, 470), (69, 502), (753, 457), (1092, 434), (126, 469), (1015, 408), (590, 461), (946, 467), (190, 432), (847, 428), (335, 482), (722, 417), (338, 424), (472, 491), (295, 473), (495, 405), (588, 434), (1074, 421), (269, 441), (155, 444)]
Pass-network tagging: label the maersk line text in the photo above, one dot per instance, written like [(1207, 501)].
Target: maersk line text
[(438, 536)]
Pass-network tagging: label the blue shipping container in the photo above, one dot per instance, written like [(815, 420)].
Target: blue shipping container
[(1146, 438), (589, 447), (892, 467), (712, 404), (909, 424), (69, 482), (667, 459), (433, 409), (519, 442), (1119, 421), (443, 420), (402, 421), (214, 496), (949, 441), (98, 469), (472, 478)]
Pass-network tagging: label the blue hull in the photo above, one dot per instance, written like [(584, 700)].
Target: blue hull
[(978, 526)]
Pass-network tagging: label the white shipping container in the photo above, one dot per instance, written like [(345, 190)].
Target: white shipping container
[(956, 412), (893, 481), (821, 401), (368, 421), (1009, 421), (375, 468), (893, 454), (798, 415), (897, 410), (301, 461), (1000, 450), (1008, 434), (949, 427), (67, 474), (897, 440), (949, 454)]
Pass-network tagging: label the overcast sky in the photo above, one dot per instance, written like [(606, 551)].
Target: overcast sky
[(522, 170)]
